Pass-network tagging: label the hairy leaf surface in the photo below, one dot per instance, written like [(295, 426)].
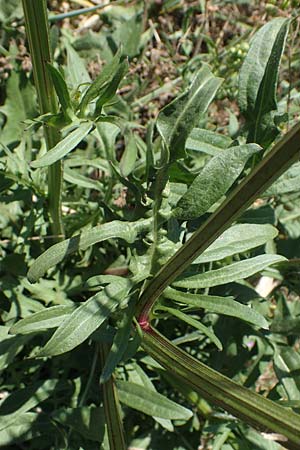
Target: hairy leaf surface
[(87, 318), (150, 402), (228, 274), (214, 181)]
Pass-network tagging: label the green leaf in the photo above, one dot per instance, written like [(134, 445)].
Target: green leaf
[(87, 318), (25, 399), (26, 426), (128, 159), (258, 80), (288, 326), (150, 402), (61, 89), (214, 181), (194, 323), (288, 182), (287, 367), (207, 141), (220, 305), (86, 420), (119, 344), (43, 320), (65, 146), (228, 274), (177, 119), (75, 177), (108, 93), (55, 254), (237, 239), (14, 110), (76, 70), (10, 346), (102, 81)]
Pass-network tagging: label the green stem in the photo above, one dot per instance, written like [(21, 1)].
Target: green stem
[(254, 409), (36, 24), (283, 154), (112, 408)]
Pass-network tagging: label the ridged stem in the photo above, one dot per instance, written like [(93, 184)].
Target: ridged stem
[(37, 30), (246, 405), (112, 408)]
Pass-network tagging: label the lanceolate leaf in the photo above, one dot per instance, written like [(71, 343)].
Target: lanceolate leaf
[(176, 120), (65, 146), (194, 323), (61, 89), (227, 274), (220, 305), (49, 318), (119, 344), (107, 94), (288, 182), (102, 81), (150, 402), (116, 229), (258, 80), (22, 400), (128, 159), (214, 181), (207, 141), (237, 239), (87, 318)]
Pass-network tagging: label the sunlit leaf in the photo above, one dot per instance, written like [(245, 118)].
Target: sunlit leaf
[(176, 120), (86, 319), (220, 305), (258, 80), (237, 239), (228, 274), (194, 323), (150, 402), (65, 146), (214, 181), (49, 318), (116, 229)]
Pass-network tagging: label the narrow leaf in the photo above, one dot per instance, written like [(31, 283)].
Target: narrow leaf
[(119, 344), (102, 81), (194, 323), (220, 305), (176, 120), (128, 159), (150, 402), (288, 182), (207, 141), (87, 421), (228, 274), (22, 400), (61, 89), (86, 319), (65, 146), (258, 80), (43, 320), (214, 181), (237, 239), (56, 253), (107, 93)]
